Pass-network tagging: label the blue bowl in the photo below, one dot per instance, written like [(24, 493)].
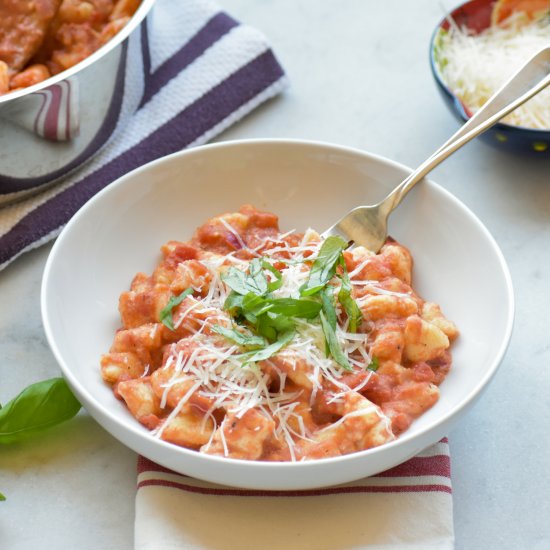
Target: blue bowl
[(476, 15)]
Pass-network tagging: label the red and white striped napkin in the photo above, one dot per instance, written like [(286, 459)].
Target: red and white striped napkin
[(201, 71), (408, 507)]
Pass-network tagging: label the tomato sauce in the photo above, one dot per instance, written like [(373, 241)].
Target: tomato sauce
[(193, 387), (41, 38)]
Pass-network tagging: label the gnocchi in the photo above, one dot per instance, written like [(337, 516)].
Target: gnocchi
[(251, 344), (41, 39)]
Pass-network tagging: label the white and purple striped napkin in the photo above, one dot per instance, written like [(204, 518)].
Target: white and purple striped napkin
[(202, 71), (408, 508)]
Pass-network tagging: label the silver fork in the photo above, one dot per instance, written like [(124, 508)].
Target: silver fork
[(368, 225)]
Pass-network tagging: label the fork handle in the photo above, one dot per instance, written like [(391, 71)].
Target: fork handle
[(533, 77)]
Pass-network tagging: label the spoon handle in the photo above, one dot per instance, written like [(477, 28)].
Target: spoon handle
[(533, 77)]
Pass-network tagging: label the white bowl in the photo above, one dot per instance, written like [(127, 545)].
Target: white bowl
[(119, 232)]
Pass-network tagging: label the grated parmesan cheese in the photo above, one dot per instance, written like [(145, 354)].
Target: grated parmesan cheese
[(284, 385), (475, 66), (217, 370), (205, 371)]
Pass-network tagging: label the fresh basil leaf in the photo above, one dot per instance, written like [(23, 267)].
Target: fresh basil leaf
[(267, 352), (235, 279), (348, 303), (36, 408), (327, 298), (324, 266), (166, 312), (2, 497), (265, 328), (333, 344), (257, 281), (240, 338), (254, 281), (233, 303), (278, 282), (291, 307), (255, 305), (271, 325), (373, 365)]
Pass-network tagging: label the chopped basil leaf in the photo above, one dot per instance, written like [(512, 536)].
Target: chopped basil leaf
[(324, 266), (291, 307), (348, 303), (373, 365), (253, 308), (278, 282), (270, 326), (327, 298), (36, 408), (257, 281), (272, 319), (333, 344), (255, 305), (166, 313), (266, 329), (236, 280), (233, 303), (254, 281), (240, 338), (267, 352)]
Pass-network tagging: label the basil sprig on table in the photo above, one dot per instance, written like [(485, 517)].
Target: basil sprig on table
[(273, 319), (36, 408)]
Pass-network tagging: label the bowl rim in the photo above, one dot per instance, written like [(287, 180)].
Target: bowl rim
[(536, 133), (137, 18), (92, 405)]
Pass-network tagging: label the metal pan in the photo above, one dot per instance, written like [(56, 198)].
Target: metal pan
[(50, 129)]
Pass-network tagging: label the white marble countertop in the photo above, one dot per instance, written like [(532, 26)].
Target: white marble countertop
[(360, 76)]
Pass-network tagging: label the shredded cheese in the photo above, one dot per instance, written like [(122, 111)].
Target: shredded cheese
[(475, 66), (212, 368), (232, 230)]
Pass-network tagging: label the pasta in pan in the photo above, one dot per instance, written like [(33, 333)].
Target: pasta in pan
[(252, 344), (41, 38)]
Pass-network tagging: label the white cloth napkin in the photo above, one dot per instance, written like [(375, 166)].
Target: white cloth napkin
[(201, 71), (408, 507)]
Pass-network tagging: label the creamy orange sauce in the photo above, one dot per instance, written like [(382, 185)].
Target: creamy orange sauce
[(190, 386)]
